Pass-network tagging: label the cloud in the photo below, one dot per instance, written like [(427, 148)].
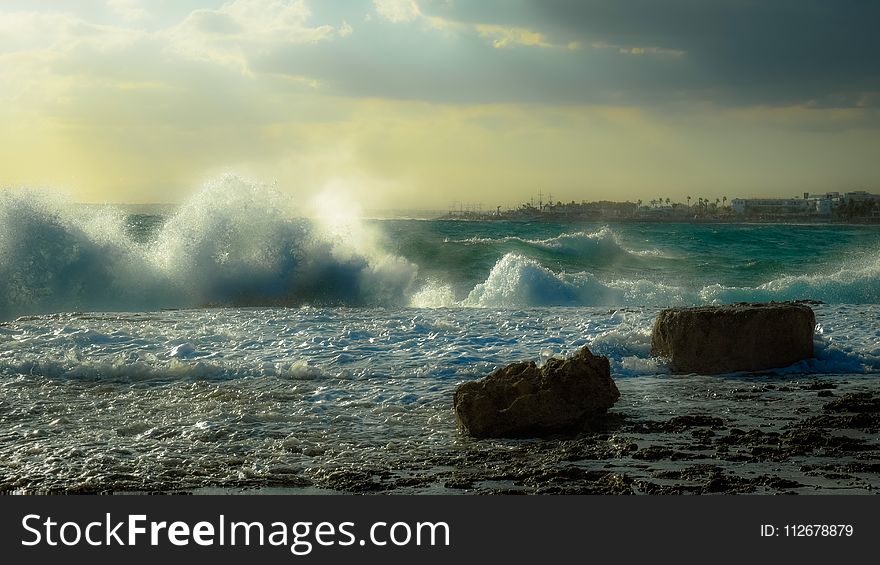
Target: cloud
[(397, 11), (30, 31), (812, 53), (506, 36), (728, 52), (128, 10), (229, 35), (776, 53)]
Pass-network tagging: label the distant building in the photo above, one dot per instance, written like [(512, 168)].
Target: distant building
[(860, 204), (774, 206), (860, 196), (825, 203), (810, 205)]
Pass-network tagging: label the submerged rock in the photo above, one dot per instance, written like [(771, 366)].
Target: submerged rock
[(523, 400), (739, 337)]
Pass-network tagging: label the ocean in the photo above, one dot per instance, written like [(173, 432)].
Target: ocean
[(233, 346)]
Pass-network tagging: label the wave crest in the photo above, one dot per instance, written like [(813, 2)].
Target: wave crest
[(847, 286), (601, 246)]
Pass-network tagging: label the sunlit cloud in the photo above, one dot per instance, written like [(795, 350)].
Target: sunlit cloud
[(397, 11), (128, 10), (502, 36), (230, 34)]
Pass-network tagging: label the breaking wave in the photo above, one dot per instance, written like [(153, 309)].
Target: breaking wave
[(602, 245), (234, 243), (238, 243), (517, 281), (859, 285)]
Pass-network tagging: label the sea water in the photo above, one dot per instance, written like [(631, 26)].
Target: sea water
[(233, 343)]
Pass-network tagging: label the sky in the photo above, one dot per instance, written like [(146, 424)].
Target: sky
[(426, 104)]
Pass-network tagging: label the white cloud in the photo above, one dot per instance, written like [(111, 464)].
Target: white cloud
[(56, 32), (35, 45), (240, 28), (128, 10), (503, 36), (277, 20), (397, 11)]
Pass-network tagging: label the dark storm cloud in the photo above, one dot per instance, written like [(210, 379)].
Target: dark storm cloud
[(822, 53), (455, 64), (435, 69)]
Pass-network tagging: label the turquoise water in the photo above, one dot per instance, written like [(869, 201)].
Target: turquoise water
[(236, 244), (648, 264)]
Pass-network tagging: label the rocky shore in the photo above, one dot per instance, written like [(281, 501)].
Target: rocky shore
[(694, 434), (667, 435), (750, 435)]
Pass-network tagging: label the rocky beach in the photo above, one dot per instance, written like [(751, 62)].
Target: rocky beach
[(730, 435), (737, 435), (743, 433)]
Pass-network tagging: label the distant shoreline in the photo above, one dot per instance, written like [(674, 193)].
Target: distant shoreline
[(724, 221)]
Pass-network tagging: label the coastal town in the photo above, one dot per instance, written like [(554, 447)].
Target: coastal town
[(852, 207)]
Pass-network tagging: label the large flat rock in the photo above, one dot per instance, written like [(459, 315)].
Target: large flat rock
[(524, 400), (738, 337)]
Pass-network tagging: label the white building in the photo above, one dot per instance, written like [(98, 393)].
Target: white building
[(774, 206), (810, 205)]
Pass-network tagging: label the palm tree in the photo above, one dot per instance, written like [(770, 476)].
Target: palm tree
[(689, 201)]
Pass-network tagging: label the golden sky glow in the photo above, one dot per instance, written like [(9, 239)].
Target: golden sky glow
[(419, 104)]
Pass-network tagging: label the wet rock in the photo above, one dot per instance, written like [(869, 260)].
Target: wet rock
[(523, 400), (864, 421), (649, 488), (687, 421), (578, 481), (677, 424), (740, 337), (819, 385), (459, 484), (654, 453), (859, 402), (780, 483), (351, 480)]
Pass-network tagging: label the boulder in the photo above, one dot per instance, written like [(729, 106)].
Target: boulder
[(524, 400), (739, 337)]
